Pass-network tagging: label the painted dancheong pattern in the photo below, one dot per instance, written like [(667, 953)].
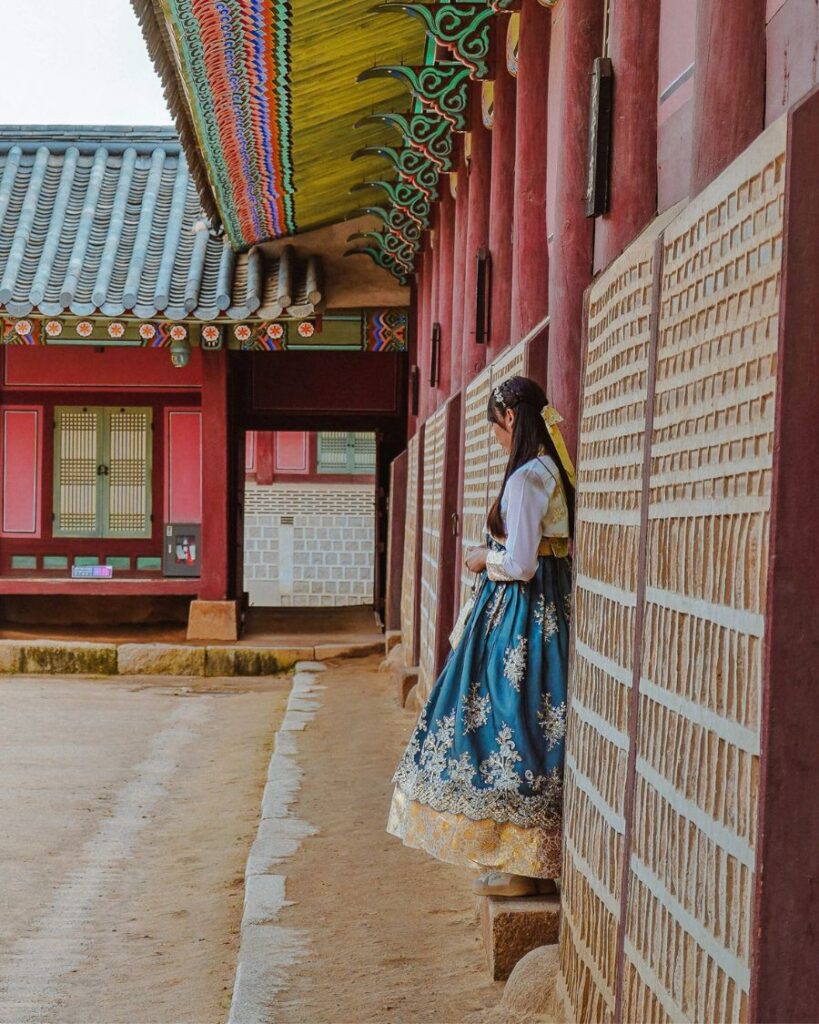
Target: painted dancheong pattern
[(610, 464), (695, 818)]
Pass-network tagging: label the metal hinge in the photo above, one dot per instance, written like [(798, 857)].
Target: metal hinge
[(456, 524)]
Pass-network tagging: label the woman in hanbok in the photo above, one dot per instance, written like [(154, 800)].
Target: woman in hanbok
[(481, 782)]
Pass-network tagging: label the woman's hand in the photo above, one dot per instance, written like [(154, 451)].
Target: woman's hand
[(476, 559)]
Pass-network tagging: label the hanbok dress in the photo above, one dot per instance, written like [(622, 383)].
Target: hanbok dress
[(481, 782)]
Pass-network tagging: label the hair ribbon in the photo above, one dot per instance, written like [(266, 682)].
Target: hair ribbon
[(551, 417)]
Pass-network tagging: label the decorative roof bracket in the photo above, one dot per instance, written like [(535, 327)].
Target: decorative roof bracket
[(428, 135), (440, 87), (403, 253), (396, 222), (461, 27), (411, 166), (405, 197)]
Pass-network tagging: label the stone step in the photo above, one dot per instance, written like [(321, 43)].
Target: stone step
[(514, 927), (59, 657)]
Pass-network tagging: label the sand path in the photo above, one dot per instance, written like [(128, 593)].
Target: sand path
[(127, 810)]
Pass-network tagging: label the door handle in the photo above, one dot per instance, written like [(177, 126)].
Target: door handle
[(102, 470)]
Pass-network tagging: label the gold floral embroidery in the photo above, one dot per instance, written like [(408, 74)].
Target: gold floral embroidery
[(447, 784), (552, 718), (476, 708), (567, 608), (546, 617), (514, 663), (494, 609)]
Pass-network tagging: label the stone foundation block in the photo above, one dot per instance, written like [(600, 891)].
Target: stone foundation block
[(268, 661), (392, 638), (213, 620), (514, 927), (405, 681), (324, 652), (161, 660), (55, 657), (10, 657)]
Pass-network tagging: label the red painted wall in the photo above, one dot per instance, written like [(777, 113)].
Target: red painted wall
[(88, 368), (183, 466), (21, 453)]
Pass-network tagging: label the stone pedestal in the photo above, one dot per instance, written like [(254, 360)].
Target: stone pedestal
[(213, 620), (392, 638), (405, 680), (514, 927)]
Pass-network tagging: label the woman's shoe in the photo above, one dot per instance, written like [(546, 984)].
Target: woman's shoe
[(502, 883)]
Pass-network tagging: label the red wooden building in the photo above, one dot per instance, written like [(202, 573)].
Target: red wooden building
[(619, 199)]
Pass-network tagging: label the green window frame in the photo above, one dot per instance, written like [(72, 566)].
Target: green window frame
[(102, 471), (346, 453)]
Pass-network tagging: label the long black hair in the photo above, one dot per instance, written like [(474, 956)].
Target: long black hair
[(530, 438)]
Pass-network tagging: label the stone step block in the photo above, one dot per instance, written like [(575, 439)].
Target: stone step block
[(514, 927)]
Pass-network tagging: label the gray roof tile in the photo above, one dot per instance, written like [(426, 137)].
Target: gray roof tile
[(107, 220)]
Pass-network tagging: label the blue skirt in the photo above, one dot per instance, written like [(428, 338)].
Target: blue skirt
[(481, 782)]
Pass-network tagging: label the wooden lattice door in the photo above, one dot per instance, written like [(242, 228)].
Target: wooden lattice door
[(102, 472)]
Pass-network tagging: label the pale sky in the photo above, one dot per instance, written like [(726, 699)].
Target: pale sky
[(77, 62)]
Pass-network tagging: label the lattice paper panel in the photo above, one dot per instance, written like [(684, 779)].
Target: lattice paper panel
[(409, 581), (129, 479), (434, 451), (692, 864), (476, 478), (610, 464), (484, 459), (76, 458)]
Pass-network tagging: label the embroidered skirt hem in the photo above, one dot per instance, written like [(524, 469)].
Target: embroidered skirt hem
[(533, 852)]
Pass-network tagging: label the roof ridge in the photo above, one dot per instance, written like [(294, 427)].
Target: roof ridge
[(86, 136)]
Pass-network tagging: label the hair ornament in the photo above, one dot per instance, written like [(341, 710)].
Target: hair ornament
[(551, 417), (497, 397)]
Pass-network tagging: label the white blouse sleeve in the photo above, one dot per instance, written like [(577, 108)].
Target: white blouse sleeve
[(528, 494)]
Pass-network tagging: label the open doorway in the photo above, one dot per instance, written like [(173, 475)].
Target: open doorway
[(309, 521)]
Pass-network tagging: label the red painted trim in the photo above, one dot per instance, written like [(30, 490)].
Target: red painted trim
[(785, 930), (85, 368), (459, 275), (36, 526), (282, 439), (46, 586)]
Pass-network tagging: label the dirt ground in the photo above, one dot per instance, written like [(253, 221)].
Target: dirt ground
[(127, 809), (392, 933)]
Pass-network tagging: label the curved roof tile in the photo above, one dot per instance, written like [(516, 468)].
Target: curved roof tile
[(108, 220)]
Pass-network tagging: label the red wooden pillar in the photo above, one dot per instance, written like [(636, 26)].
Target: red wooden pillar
[(530, 260), (729, 84), (412, 417), (446, 243), (434, 302), (634, 48), (785, 934), (580, 24), (477, 232), (216, 485), (425, 297), (502, 195), (459, 273), (265, 462)]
